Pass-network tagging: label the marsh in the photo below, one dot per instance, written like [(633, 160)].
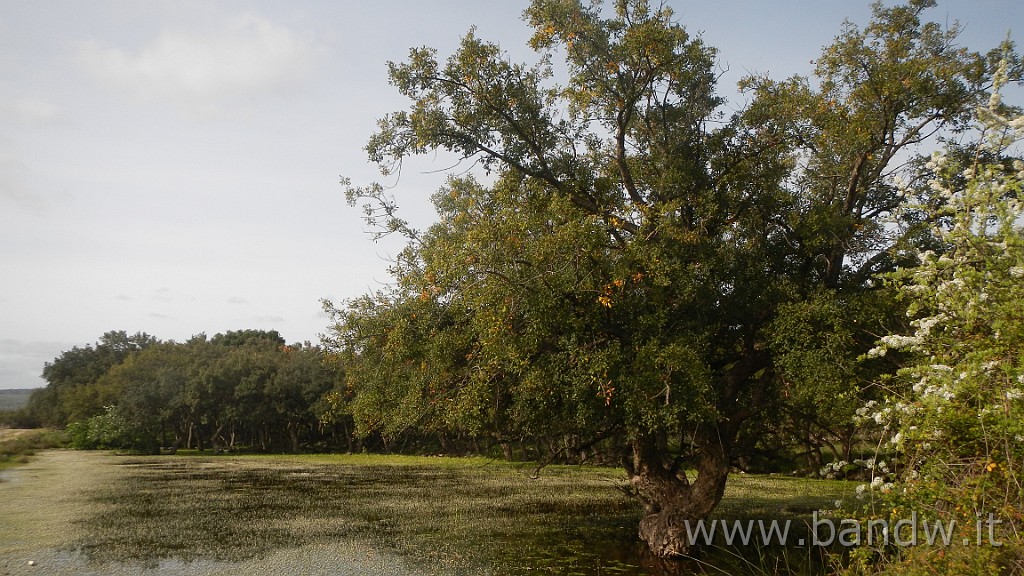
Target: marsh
[(97, 513)]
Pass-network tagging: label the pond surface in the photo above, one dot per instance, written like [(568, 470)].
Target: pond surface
[(171, 515)]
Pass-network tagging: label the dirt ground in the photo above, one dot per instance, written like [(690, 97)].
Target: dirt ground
[(43, 503), (11, 433)]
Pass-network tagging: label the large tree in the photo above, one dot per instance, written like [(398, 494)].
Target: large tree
[(149, 401), (73, 391), (627, 265)]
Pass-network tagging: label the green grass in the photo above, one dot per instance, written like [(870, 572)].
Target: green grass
[(760, 496), (18, 446), (450, 515)]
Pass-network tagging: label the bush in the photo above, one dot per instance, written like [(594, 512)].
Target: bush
[(955, 414), (104, 431), (110, 430)]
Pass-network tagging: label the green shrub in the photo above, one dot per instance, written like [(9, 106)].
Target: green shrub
[(103, 431)]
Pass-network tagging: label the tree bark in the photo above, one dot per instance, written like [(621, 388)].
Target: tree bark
[(671, 499), (293, 436)]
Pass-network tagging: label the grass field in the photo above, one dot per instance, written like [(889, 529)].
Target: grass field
[(383, 515)]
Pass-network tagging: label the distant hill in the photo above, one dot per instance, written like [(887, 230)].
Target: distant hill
[(14, 398)]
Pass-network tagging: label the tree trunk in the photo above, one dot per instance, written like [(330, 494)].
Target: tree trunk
[(293, 435), (671, 499), (215, 439), (349, 440)]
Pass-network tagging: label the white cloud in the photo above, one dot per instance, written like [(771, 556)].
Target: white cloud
[(15, 187), (32, 111), (206, 72)]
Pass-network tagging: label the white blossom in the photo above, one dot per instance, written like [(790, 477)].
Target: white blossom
[(938, 161), (921, 289), (900, 341), (925, 325)]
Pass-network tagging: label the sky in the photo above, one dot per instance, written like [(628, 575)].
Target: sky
[(172, 167)]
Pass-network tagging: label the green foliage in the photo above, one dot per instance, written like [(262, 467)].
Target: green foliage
[(73, 391), (107, 430), (238, 388), (880, 91)]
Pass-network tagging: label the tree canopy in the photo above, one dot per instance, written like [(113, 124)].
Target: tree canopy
[(632, 265), (238, 388)]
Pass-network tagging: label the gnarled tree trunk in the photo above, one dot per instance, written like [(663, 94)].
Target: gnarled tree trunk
[(670, 497)]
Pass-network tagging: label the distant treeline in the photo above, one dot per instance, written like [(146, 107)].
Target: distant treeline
[(14, 399), (248, 390), (244, 390), (241, 389)]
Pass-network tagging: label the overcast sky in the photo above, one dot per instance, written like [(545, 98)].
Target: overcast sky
[(172, 167)]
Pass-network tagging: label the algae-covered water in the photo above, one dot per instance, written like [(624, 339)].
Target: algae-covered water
[(93, 513)]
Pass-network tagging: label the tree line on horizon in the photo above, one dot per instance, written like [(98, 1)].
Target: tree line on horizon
[(244, 388), (247, 390)]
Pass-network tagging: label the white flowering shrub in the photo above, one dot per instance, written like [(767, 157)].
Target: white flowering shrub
[(955, 414)]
